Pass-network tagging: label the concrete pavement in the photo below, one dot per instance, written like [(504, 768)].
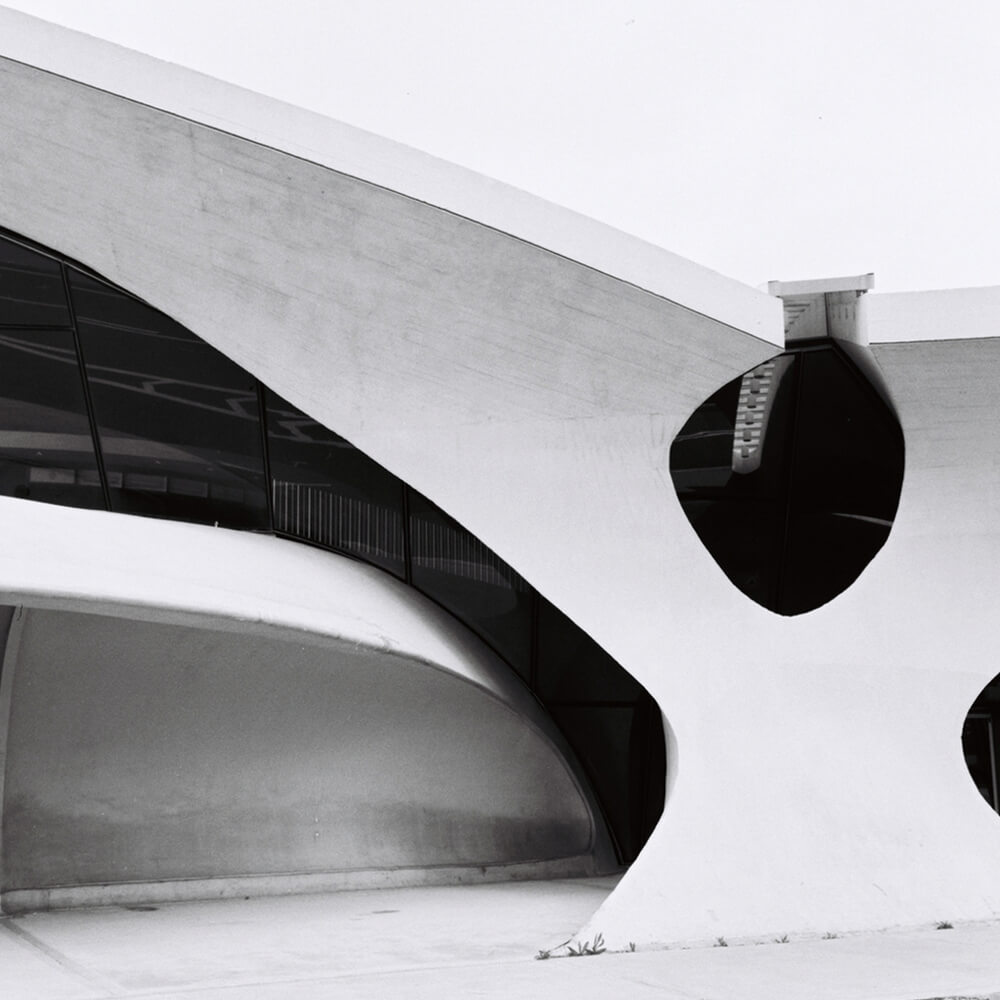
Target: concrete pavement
[(475, 941)]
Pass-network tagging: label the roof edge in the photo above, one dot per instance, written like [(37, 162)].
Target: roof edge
[(934, 314), (197, 97)]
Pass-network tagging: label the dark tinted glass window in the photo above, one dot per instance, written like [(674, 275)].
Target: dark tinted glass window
[(980, 755), (647, 770), (736, 444), (46, 451), (572, 667), (31, 288), (178, 421), (980, 736), (328, 492), (470, 580), (842, 424), (624, 759), (848, 470), (745, 536), (791, 475)]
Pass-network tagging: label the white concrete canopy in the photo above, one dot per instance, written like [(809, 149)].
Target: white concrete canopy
[(188, 712)]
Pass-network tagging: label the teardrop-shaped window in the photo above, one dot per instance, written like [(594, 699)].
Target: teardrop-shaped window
[(791, 475)]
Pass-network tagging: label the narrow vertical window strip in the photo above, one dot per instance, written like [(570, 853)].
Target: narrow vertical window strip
[(265, 451), (95, 437)]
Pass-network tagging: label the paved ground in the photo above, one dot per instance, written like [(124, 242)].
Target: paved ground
[(477, 941)]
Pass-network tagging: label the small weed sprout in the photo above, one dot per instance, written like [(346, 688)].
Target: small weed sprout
[(631, 946), (587, 948), (576, 949), (782, 940), (830, 936), (721, 942), (944, 925)]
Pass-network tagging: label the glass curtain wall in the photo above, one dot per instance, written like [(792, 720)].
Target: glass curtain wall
[(46, 448), (327, 492), (107, 403), (177, 422)]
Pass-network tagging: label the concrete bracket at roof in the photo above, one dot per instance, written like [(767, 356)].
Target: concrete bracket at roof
[(352, 151)]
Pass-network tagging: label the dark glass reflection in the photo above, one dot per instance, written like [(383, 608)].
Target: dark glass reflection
[(980, 735), (791, 476), (572, 667), (979, 747), (31, 288), (46, 451), (328, 492), (459, 572), (612, 724), (848, 475), (178, 421), (621, 749)]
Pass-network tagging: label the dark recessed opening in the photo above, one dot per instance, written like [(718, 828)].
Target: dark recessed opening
[(791, 475)]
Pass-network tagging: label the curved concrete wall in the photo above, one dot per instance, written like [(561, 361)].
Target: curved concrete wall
[(817, 781), (201, 747), (832, 742)]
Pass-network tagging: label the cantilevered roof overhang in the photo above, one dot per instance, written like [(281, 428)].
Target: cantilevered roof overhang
[(363, 155)]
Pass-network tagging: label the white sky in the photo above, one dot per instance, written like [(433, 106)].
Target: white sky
[(771, 139)]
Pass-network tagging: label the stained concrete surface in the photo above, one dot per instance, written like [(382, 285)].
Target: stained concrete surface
[(476, 941)]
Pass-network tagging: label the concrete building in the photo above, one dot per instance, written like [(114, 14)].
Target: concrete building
[(503, 651)]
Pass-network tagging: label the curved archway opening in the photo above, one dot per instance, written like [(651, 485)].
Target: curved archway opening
[(106, 403)]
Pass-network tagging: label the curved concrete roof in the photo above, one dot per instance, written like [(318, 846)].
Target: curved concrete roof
[(199, 98)]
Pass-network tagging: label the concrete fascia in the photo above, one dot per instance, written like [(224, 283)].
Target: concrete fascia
[(349, 150), (943, 314), (819, 286)]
